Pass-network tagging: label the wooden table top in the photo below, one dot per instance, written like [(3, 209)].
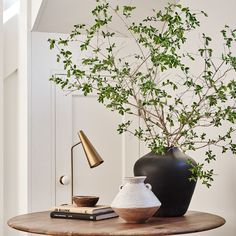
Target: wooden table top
[(41, 223)]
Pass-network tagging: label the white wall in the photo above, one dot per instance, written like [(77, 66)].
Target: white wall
[(11, 203), (10, 46), (55, 132), (22, 105), (16, 188), (1, 122), (8, 3), (220, 198), (42, 126)]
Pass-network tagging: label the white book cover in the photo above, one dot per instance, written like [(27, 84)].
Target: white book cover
[(84, 210)]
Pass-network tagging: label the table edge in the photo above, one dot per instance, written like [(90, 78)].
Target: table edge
[(223, 221)]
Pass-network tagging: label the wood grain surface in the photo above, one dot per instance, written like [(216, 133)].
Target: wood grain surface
[(41, 223)]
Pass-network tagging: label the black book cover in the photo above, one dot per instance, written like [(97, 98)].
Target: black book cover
[(81, 216)]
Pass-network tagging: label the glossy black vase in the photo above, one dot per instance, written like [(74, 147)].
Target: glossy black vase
[(169, 176)]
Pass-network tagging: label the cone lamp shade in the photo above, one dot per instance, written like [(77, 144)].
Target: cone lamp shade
[(93, 157)]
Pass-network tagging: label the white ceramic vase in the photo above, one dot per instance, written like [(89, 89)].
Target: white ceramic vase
[(135, 202)]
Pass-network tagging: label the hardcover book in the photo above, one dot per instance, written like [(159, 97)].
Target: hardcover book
[(81, 216), (85, 210)]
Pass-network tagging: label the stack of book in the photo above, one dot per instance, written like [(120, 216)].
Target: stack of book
[(99, 212)]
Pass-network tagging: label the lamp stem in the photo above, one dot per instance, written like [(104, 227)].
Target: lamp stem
[(72, 170)]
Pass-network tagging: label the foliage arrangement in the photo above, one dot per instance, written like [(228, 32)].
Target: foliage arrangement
[(155, 82)]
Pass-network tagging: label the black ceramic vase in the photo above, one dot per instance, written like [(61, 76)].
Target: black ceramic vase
[(169, 176)]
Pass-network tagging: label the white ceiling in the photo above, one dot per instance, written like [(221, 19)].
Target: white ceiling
[(59, 16)]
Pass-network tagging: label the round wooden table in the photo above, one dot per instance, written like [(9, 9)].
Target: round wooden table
[(41, 223)]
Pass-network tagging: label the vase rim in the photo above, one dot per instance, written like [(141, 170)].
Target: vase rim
[(134, 179), (170, 148)]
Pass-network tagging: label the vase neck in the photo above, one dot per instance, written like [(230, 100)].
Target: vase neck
[(134, 180)]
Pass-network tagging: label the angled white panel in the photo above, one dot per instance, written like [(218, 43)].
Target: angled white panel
[(78, 11), (35, 8)]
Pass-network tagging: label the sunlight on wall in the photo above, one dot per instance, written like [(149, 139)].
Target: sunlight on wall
[(11, 11)]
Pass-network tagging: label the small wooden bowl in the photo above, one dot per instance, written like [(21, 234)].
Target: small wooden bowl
[(85, 201)]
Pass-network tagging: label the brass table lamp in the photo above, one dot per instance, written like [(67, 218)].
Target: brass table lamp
[(94, 159)]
